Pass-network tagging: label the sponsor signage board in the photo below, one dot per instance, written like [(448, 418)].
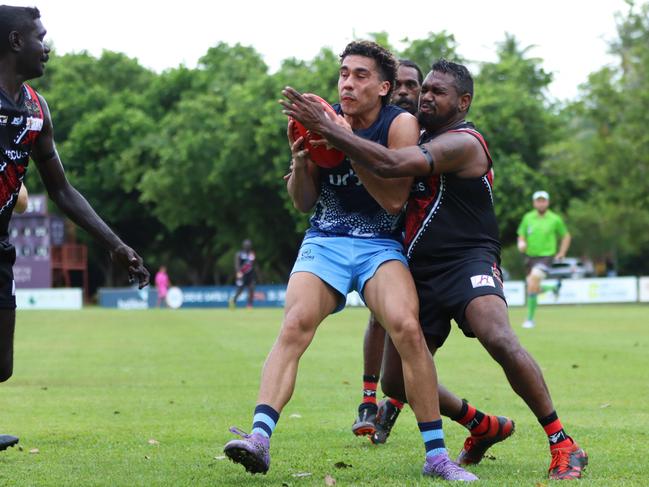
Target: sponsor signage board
[(57, 298)]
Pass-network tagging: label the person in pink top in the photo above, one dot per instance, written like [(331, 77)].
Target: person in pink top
[(162, 284)]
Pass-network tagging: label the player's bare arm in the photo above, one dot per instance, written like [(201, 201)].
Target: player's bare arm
[(521, 243), (302, 182), (453, 152), (23, 200), (391, 194), (75, 206), (564, 246)]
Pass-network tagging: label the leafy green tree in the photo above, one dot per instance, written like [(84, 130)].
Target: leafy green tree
[(606, 155), (187, 163), (512, 110), (216, 174), (424, 52)]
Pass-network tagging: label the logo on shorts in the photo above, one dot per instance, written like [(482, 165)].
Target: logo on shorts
[(306, 255), (482, 281)]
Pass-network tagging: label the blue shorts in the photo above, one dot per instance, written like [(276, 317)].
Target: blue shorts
[(346, 263)]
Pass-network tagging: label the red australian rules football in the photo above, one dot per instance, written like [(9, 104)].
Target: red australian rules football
[(321, 155)]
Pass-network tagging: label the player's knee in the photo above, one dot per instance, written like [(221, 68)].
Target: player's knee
[(533, 288), (502, 343), (407, 336), (373, 322), (296, 330)]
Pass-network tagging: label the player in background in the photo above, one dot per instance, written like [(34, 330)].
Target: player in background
[(405, 95), (452, 240), (543, 238), (26, 131), (353, 244), (246, 273)]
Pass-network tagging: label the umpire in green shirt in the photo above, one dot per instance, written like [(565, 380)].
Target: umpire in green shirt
[(542, 237)]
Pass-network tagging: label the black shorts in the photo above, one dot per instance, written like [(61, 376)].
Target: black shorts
[(545, 263), (446, 288), (246, 279), (7, 287)]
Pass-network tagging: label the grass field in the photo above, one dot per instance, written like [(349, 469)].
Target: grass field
[(145, 398)]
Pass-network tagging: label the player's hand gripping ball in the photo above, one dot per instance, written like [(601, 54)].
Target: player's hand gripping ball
[(322, 155)]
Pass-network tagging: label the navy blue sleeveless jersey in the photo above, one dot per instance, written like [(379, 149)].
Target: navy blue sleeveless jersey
[(20, 124), (448, 215), (344, 207)]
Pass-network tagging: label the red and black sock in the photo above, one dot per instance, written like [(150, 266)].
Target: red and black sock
[(370, 383), (472, 419), (556, 434), (396, 403)]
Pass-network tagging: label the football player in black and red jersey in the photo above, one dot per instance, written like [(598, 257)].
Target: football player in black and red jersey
[(452, 242), (246, 273), (26, 132), (489, 429)]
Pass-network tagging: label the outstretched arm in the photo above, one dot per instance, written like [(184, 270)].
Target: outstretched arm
[(75, 206), (459, 153)]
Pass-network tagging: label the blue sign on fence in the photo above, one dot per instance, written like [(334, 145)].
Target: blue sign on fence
[(190, 297)]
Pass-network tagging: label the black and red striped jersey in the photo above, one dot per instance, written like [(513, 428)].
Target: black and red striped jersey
[(20, 124), (447, 215), (246, 259)]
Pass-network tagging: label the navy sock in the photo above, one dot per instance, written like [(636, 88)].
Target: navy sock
[(433, 437), (264, 420)]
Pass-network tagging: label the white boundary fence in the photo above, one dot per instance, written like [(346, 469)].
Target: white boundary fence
[(573, 291), (55, 298)]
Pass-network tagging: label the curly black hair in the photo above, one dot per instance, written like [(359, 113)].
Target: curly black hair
[(385, 61), (463, 79)]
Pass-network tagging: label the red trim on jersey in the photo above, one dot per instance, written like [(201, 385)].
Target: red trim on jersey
[(419, 207), (480, 138), (34, 96), (33, 105), (420, 210), (485, 147)]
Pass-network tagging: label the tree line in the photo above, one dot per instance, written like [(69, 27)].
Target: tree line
[(186, 163)]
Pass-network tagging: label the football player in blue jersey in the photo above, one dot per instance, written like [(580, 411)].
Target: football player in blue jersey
[(354, 243)]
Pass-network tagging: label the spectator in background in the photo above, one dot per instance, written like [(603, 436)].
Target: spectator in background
[(542, 237), (611, 270), (162, 284), (244, 268)]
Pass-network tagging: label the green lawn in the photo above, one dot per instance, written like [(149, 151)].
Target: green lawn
[(145, 398)]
